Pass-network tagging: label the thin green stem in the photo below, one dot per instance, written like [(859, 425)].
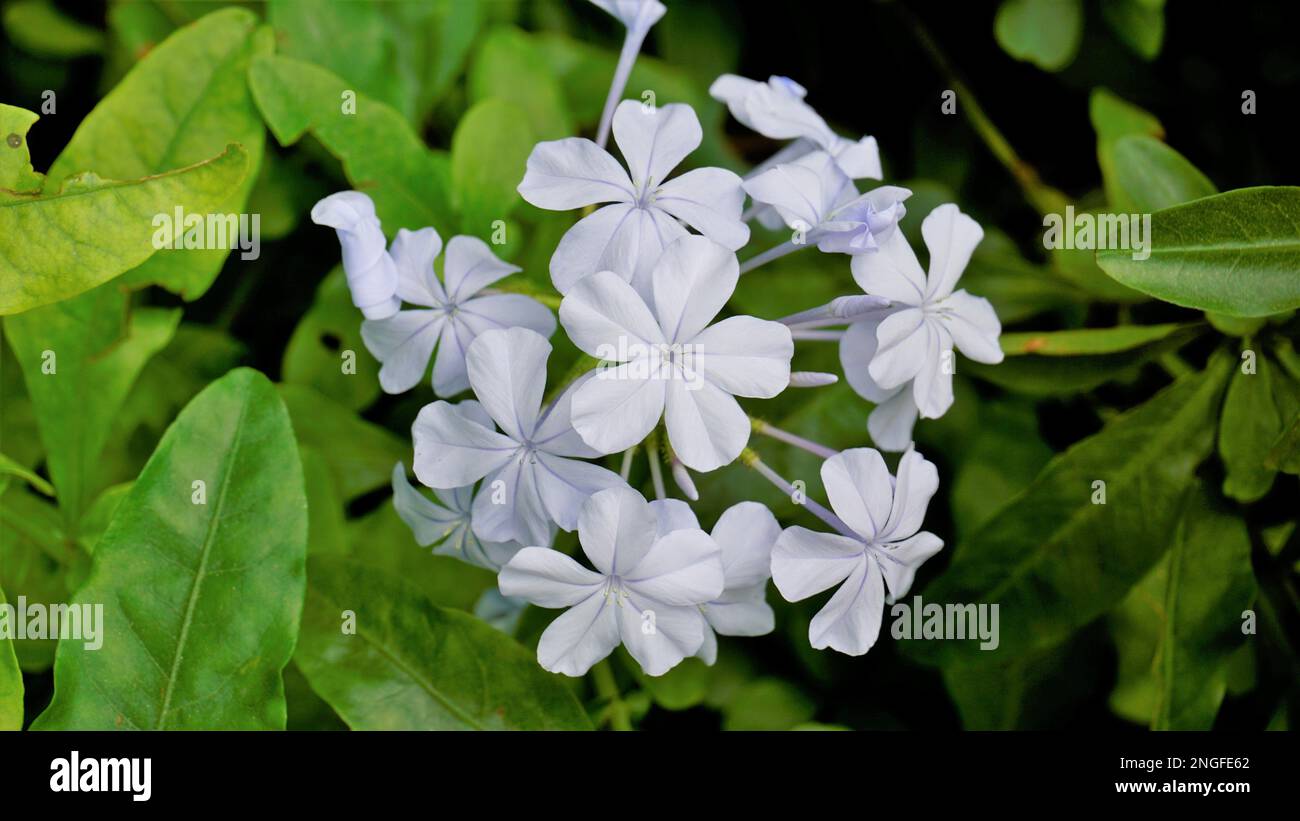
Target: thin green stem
[(620, 717)]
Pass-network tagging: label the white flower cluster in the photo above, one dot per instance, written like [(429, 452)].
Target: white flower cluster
[(641, 293)]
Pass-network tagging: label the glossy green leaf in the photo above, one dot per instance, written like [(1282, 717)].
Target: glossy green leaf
[(432, 39), (150, 123), (681, 688), (1247, 431), (39, 27), (1236, 253), (768, 704), (488, 153), (360, 453), (1139, 24), (79, 359), (94, 229), (318, 350), (1114, 118), (1150, 176), (37, 560), (10, 467), (380, 153), (412, 665), (509, 66), (1085, 341), (1043, 32), (11, 678), (1005, 453), (202, 600), (1055, 557), (16, 174), (1177, 629)]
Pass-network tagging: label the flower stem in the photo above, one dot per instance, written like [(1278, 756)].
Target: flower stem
[(602, 675), (816, 336), (625, 470), (776, 252), (750, 459), (626, 59), (656, 470), (774, 432)]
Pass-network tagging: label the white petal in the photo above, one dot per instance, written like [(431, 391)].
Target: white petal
[(547, 578), (974, 326), (692, 280), (891, 271), (860, 489), (918, 479), (555, 433), (744, 612), (850, 621), (932, 387), (745, 356), (860, 160), (680, 568), (618, 407), (506, 311), (794, 191), (891, 423), (509, 505), (621, 238), (673, 514), (507, 370), (659, 635), (604, 317), (413, 253), (370, 270), (710, 201), (654, 140), (429, 522), (565, 484), (745, 534), (899, 560), (470, 266), (902, 341), (706, 426), (805, 562), (582, 635), (951, 237), (708, 652), (452, 451), (404, 344), (472, 410), (450, 375), (857, 349), (572, 173), (638, 15), (616, 528)]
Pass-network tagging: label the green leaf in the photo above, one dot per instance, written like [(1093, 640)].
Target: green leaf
[(16, 174), (1150, 176), (1114, 118), (1005, 453), (1139, 24), (1040, 364), (380, 153), (36, 561), (1043, 32), (1017, 289), (9, 467), (360, 453), (201, 600), (768, 704), (1249, 426), (57, 245), (413, 665), (432, 41), (1177, 629), (1053, 558), (1235, 253), (509, 66), (11, 679), (315, 354), (681, 688), (39, 27), (488, 153), (150, 123), (79, 359)]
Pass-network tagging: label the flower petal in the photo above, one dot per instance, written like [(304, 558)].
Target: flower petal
[(509, 505), (428, 521), (618, 407), (706, 426), (451, 451), (565, 484), (404, 344), (918, 479), (547, 578), (506, 311), (745, 534), (709, 200), (850, 621), (932, 386), (857, 349), (507, 370), (795, 191), (951, 237), (681, 567), (616, 528), (413, 253), (899, 560), (692, 280), (891, 271), (555, 433), (621, 238), (860, 489), (654, 140), (470, 266), (891, 423), (860, 160), (805, 562), (582, 635), (604, 317), (902, 342), (573, 173), (659, 635), (673, 514), (370, 270), (744, 612), (974, 326), (745, 356), (450, 375)]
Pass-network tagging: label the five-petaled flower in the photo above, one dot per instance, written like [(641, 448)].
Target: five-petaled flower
[(879, 544), (671, 362), (628, 236), (645, 591), (458, 311), (531, 470)]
